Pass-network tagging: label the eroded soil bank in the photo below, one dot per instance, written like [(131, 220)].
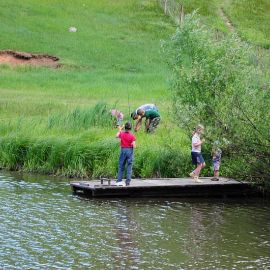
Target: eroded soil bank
[(15, 58)]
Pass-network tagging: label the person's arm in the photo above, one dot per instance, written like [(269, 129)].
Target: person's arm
[(198, 143), (138, 123), (134, 144), (147, 124), (119, 131)]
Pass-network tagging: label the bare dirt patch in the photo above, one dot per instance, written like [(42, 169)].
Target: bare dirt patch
[(15, 58), (226, 20)]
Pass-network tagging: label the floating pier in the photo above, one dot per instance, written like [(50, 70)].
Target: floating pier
[(164, 187)]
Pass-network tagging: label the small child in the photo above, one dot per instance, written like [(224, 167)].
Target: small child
[(196, 155), (127, 140), (119, 116), (216, 158)]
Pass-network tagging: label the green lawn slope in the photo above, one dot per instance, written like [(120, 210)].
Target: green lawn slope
[(115, 52), (250, 18), (52, 121)]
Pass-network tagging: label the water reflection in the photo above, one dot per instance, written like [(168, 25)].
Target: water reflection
[(44, 227), (204, 232), (127, 255)]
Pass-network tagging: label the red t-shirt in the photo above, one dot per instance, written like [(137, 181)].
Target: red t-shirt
[(127, 139)]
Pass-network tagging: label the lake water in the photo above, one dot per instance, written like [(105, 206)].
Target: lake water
[(43, 226)]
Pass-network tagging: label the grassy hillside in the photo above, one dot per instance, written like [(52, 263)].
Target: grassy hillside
[(52, 119), (116, 51), (251, 18)]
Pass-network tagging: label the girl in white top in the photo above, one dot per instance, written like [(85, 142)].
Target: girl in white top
[(196, 155)]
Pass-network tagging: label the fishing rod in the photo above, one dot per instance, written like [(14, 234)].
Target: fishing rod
[(128, 105)]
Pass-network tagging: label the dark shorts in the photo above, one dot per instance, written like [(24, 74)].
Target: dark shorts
[(197, 158)]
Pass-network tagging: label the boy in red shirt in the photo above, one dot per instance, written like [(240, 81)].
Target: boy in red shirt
[(127, 140)]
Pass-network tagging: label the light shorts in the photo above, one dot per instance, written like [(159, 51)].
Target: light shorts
[(216, 165)]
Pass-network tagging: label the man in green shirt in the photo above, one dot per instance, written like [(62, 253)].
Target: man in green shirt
[(151, 122)]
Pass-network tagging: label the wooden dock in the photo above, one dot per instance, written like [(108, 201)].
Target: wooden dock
[(165, 187)]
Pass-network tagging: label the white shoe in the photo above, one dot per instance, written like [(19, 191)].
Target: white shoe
[(197, 180), (121, 184)]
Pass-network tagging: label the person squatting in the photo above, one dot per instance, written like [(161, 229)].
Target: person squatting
[(150, 113)]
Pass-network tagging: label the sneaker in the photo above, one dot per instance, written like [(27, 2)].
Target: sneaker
[(121, 184), (214, 179), (197, 180), (192, 174)]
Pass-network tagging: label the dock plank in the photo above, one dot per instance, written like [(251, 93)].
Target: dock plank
[(163, 187)]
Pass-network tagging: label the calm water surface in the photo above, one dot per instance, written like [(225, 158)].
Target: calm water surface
[(43, 226)]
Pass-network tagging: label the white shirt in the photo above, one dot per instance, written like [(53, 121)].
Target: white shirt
[(196, 139), (147, 107)]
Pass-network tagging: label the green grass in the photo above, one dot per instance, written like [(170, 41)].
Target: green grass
[(51, 121), (82, 143), (250, 21), (209, 10), (115, 53), (46, 115), (251, 18)]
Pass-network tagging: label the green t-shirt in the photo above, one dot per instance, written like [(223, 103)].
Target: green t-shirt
[(151, 114)]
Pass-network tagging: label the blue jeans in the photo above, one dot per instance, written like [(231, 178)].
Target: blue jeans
[(126, 158)]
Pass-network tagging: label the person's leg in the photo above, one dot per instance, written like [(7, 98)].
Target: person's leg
[(129, 166), (121, 165), (147, 124), (197, 173), (216, 170), (200, 166), (198, 170), (197, 158), (153, 124), (150, 128), (194, 162), (119, 122), (138, 124)]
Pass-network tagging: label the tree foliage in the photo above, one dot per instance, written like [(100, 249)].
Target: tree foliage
[(215, 81)]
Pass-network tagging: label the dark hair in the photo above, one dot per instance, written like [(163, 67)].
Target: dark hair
[(140, 112), (128, 126), (133, 114)]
